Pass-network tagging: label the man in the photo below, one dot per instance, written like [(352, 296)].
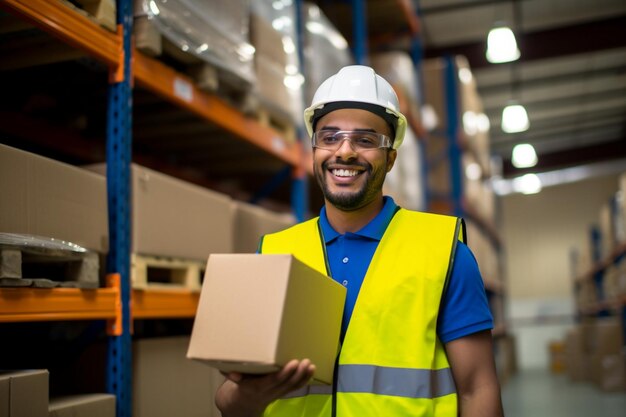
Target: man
[(416, 335)]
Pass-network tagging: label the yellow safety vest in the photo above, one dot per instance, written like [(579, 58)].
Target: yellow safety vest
[(391, 362)]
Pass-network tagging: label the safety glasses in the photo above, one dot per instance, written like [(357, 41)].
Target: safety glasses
[(359, 140)]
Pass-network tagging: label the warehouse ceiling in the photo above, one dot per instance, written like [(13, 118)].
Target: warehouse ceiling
[(571, 76)]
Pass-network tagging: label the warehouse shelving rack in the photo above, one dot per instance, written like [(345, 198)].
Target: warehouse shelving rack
[(604, 305), (126, 66)]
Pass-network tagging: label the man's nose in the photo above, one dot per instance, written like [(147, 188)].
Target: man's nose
[(346, 149)]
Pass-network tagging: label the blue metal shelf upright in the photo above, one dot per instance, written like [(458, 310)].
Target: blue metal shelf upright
[(118, 150)]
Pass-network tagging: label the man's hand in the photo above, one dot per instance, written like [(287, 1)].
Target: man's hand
[(248, 395)]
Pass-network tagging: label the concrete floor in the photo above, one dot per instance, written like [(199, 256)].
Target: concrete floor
[(541, 394)]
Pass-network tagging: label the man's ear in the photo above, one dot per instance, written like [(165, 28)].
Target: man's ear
[(391, 158)]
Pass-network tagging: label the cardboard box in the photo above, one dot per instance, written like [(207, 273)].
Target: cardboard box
[(267, 41), (574, 354), (252, 222), (271, 85), (24, 393), (175, 218), (167, 384), (608, 371), (258, 312), (44, 197), (86, 405)]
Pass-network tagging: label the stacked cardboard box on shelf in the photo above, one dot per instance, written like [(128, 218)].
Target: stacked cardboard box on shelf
[(24, 393), (44, 197), (166, 383), (252, 222), (174, 218)]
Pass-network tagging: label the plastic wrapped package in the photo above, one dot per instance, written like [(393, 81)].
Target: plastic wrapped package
[(325, 50), (273, 34), (405, 180), (215, 31)]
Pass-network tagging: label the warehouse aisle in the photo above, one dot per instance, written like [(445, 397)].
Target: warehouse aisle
[(541, 394)]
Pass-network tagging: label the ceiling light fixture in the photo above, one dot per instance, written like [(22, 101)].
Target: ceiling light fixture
[(515, 118), (527, 184), (501, 45), (524, 156)]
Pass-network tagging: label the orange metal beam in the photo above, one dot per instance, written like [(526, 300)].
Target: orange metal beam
[(74, 28), (411, 17), (39, 304), (181, 90), (151, 304)]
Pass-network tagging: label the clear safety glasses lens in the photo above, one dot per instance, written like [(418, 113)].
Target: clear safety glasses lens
[(359, 140)]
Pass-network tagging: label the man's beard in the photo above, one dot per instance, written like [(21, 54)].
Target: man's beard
[(353, 200)]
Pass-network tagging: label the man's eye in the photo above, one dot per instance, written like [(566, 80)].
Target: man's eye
[(330, 138), (366, 142)]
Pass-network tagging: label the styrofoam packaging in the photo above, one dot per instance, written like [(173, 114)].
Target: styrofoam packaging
[(257, 312)]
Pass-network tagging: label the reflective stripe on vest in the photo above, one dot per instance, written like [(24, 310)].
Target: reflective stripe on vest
[(398, 382)]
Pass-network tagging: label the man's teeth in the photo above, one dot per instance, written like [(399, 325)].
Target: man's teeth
[(344, 172)]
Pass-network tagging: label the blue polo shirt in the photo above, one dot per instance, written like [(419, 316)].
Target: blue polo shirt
[(464, 308)]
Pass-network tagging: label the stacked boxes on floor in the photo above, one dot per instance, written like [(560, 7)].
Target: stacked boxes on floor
[(24, 393), (594, 353)]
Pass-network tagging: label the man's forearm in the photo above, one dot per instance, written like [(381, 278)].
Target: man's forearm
[(484, 402)]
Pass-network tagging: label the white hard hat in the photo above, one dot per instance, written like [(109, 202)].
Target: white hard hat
[(357, 86)]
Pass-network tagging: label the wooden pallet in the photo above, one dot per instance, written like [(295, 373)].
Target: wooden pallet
[(26, 266), (278, 121), (155, 272), (102, 12)]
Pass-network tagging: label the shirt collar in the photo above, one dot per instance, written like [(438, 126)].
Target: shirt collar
[(373, 230)]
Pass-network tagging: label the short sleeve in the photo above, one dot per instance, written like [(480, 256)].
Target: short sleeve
[(464, 306)]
